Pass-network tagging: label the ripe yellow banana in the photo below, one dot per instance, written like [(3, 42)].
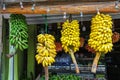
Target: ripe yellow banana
[(46, 49), (101, 33)]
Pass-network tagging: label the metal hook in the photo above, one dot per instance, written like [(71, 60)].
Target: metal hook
[(82, 25), (81, 14), (116, 4), (4, 6), (64, 15), (21, 4), (33, 7), (98, 12), (48, 10)]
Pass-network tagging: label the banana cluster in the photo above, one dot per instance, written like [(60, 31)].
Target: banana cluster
[(18, 31), (46, 49), (70, 35), (101, 33)]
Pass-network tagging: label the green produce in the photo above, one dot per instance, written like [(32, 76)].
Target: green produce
[(18, 31), (63, 77)]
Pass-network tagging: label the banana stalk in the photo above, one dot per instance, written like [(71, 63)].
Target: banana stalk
[(46, 73), (95, 62), (74, 61)]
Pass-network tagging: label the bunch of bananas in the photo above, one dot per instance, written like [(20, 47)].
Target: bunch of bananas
[(18, 31), (46, 49), (101, 33), (70, 35)]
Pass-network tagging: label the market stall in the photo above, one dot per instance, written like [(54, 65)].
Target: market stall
[(58, 39)]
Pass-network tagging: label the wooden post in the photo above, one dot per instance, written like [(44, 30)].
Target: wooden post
[(46, 73), (61, 7), (31, 52), (74, 61), (95, 62), (1, 45)]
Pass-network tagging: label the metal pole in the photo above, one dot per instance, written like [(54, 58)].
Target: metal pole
[(11, 61)]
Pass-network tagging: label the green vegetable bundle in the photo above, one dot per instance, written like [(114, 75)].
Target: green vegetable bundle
[(63, 77), (18, 31)]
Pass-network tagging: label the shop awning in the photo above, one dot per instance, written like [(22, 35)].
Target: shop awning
[(60, 7)]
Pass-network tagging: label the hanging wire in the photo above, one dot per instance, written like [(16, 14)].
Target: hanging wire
[(70, 17), (46, 24), (46, 20), (113, 25)]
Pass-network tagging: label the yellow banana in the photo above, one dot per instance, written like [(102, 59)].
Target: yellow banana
[(45, 49), (45, 52), (101, 33), (43, 63), (52, 55), (37, 57), (40, 60)]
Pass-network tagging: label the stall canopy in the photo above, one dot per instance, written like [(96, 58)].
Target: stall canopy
[(59, 7)]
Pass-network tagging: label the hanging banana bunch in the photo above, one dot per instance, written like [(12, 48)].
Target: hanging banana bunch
[(46, 49), (70, 39), (100, 36), (18, 31)]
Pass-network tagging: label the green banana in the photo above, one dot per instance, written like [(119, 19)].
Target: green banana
[(18, 31)]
